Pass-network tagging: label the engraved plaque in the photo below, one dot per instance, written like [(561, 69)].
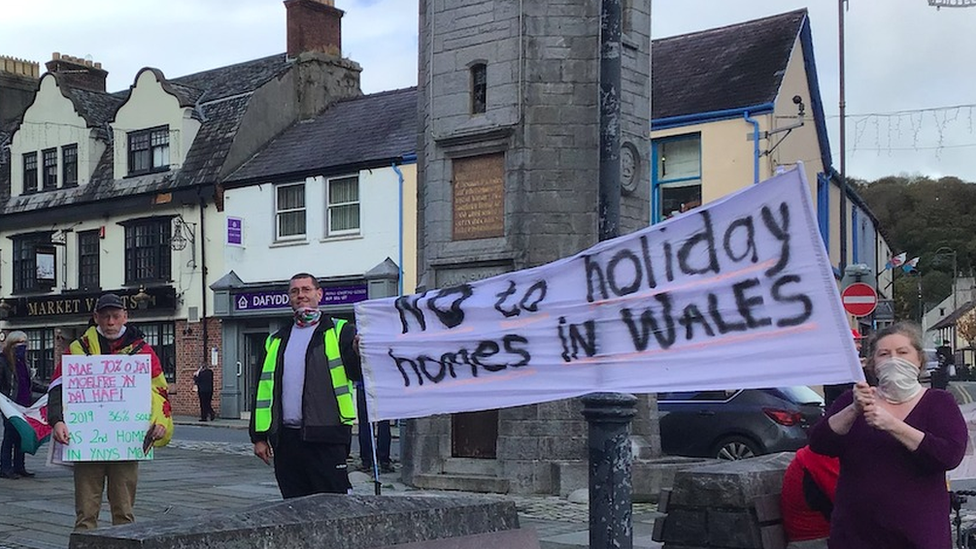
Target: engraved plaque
[(448, 277), (479, 197)]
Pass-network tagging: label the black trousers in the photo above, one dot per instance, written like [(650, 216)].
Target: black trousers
[(206, 406), (304, 468)]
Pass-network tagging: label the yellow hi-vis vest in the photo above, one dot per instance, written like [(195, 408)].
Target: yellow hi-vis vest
[(340, 383)]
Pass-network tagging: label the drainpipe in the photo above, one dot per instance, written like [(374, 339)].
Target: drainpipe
[(203, 283), (755, 146), (399, 225)]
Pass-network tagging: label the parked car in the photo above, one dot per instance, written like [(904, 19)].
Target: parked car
[(737, 424)]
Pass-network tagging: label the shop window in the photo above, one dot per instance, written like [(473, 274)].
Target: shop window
[(33, 262), (40, 352), (290, 211), (343, 206), (161, 337), (677, 176), (148, 256)]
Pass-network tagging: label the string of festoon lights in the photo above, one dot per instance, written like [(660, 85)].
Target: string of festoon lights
[(935, 129)]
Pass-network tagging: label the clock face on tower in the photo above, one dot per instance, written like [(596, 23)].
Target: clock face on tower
[(629, 167)]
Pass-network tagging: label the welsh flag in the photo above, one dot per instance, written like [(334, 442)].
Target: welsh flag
[(31, 423), (896, 261)]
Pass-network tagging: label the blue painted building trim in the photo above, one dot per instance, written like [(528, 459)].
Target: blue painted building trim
[(400, 224), (655, 158), (855, 237), (755, 146), (823, 208), (702, 117), (816, 102)]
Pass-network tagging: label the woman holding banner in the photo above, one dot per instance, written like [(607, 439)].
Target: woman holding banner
[(15, 384), (895, 443)]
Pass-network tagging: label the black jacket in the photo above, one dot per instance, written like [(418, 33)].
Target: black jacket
[(204, 380), (320, 411)]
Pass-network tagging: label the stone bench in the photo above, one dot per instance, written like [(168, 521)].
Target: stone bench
[(733, 504), (327, 520)]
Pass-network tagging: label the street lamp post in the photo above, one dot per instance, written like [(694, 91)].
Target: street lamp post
[(921, 304)]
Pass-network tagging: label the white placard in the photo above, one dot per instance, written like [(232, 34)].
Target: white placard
[(107, 403), (737, 294)]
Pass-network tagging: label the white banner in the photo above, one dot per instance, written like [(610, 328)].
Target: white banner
[(736, 294)]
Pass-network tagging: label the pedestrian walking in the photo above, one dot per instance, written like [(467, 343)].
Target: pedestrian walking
[(203, 379)]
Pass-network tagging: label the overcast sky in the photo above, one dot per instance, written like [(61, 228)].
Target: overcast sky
[(906, 62)]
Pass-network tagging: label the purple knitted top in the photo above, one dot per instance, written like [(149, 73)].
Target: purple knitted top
[(888, 497)]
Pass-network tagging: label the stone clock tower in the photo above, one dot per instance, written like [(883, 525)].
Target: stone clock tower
[(508, 162)]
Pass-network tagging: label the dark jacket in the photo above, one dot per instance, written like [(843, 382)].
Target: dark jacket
[(10, 381), (204, 380), (320, 412)]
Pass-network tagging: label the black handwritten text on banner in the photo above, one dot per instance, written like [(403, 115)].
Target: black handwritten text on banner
[(735, 294)]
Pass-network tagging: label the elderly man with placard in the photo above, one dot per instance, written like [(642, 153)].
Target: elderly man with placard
[(109, 406)]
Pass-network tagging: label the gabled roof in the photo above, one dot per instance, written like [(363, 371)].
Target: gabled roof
[(722, 69), (951, 318), (362, 131), (220, 97)]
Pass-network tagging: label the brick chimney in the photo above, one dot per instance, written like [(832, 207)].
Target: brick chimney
[(313, 26), (77, 72)]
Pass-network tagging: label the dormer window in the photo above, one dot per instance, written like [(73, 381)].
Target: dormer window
[(69, 165), (479, 88), (149, 150), (50, 157), (30, 172)]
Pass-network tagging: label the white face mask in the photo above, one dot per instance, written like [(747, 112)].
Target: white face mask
[(897, 380)]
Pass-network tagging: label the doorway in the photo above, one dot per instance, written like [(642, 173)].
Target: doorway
[(474, 434), (247, 377)]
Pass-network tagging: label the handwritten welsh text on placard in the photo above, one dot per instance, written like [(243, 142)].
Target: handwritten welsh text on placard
[(107, 405)]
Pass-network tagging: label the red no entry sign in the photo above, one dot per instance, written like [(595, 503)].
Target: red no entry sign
[(859, 299)]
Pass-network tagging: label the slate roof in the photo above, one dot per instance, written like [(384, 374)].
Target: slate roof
[(221, 97), (234, 79), (729, 67), (95, 107), (369, 129), (951, 318)]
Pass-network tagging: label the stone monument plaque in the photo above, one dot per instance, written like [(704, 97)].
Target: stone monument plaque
[(479, 197)]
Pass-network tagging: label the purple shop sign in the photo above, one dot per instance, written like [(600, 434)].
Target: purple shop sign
[(235, 231), (271, 299)]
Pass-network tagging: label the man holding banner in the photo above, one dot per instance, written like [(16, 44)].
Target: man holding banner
[(110, 336), (303, 407)]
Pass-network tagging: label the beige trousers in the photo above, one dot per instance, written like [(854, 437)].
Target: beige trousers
[(90, 483)]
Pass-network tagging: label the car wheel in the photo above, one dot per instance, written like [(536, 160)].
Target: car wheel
[(733, 448)]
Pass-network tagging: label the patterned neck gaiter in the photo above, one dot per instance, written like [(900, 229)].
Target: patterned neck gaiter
[(307, 316)]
